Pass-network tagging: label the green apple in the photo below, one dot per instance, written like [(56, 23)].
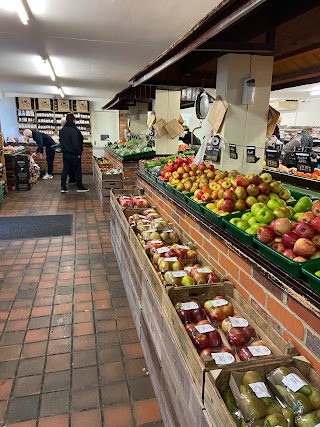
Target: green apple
[(317, 273), (265, 215), (256, 226), (276, 203), (252, 220), (243, 225), (234, 221), (210, 206), (304, 204), (187, 281), (282, 213), (297, 216), (246, 216), (251, 230), (273, 196), (256, 207)]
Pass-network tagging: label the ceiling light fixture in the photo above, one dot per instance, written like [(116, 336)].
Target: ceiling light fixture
[(50, 68), (315, 92), (61, 92), (22, 12)]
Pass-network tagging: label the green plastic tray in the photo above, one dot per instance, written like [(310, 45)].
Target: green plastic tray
[(169, 188), (181, 195), (216, 219), (196, 206), (308, 269), (292, 267), (236, 232), (137, 156), (297, 195)]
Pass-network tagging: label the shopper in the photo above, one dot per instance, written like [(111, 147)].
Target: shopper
[(304, 140), (71, 141), (42, 140), (72, 178)]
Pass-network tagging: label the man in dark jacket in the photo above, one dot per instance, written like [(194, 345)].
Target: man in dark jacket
[(43, 140), (71, 141)]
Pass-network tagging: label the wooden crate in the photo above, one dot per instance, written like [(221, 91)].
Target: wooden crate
[(218, 380)]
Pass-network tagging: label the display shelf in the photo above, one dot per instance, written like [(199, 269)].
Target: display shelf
[(305, 183)]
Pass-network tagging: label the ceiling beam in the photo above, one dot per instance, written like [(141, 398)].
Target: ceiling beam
[(297, 75), (241, 47)]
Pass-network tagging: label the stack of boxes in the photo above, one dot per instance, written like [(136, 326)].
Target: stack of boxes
[(104, 182)]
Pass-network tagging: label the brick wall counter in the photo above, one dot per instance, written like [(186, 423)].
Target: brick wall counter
[(295, 317), (129, 169), (86, 160)]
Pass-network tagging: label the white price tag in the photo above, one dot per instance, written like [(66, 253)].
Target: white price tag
[(172, 259), (219, 302), (156, 242), (259, 350), (179, 274), (188, 268), (293, 382), (183, 247), (168, 230), (223, 358), (142, 216), (204, 270), (202, 329), (159, 220), (146, 221), (260, 389), (163, 250), (238, 322), (125, 197), (189, 305)]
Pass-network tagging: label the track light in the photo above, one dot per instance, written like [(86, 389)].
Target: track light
[(22, 12), (61, 92), (50, 68)]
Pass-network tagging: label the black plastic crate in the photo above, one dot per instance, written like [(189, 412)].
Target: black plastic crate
[(23, 185), (23, 176), (22, 164)]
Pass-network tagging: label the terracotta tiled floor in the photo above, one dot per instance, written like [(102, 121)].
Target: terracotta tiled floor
[(69, 353)]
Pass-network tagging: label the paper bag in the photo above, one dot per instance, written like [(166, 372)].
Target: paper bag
[(218, 112), (180, 120), (174, 128), (160, 128), (151, 119), (273, 116)]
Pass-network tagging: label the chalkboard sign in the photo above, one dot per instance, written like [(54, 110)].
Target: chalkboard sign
[(233, 151), (216, 154), (251, 155), (304, 162), (272, 158)]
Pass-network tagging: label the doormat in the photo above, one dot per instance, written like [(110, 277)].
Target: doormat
[(34, 227)]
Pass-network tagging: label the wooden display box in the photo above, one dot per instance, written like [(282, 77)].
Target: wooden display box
[(217, 380)]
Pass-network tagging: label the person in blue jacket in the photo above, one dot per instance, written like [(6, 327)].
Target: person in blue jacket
[(43, 140)]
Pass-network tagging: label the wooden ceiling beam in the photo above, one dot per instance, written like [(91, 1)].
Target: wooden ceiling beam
[(297, 75)]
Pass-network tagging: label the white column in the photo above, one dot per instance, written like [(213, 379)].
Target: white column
[(167, 106), (245, 125)]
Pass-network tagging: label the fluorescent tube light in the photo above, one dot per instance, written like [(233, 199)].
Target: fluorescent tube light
[(50, 69), (61, 92), (315, 92), (22, 12)]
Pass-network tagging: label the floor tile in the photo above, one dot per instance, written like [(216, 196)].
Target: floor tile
[(118, 416), (62, 345), (85, 399), (55, 403), (23, 424), (57, 381), (56, 421), (84, 377), (90, 418), (27, 386), (147, 411), (141, 388), (111, 372), (84, 358), (22, 409), (115, 393), (58, 362), (39, 322), (34, 349)]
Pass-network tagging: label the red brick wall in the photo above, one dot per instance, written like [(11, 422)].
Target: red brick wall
[(129, 170), (86, 160), (122, 122), (290, 318)]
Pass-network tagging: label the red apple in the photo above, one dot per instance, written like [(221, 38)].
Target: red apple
[(245, 354), (300, 259), (242, 181), (213, 278), (278, 246), (289, 239), (214, 339), (206, 352), (315, 223), (266, 234), (306, 217), (303, 229), (316, 240), (235, 337), (249, 332), (264, 188), (316, 208), (304, 247), (282, 226), (254, 179), (289, 253), (198, 315), (252, 190), (263, 198), (227, 206), (230, 195)]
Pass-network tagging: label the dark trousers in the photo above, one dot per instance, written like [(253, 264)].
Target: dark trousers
[(50, 153), (71, 164)]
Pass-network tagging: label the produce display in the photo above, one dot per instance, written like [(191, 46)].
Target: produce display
[(10, 149), (130, 148), (106, 167), (314, 175)]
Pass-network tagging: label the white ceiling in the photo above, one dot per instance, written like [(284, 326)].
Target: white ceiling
[(95, 45)]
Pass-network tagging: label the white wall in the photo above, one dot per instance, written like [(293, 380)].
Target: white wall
[(8, 117), (307, 114)]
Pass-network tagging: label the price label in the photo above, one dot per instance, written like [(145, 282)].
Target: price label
[(204, 270), (223, 358), (188, 268), (259, 350), (233, 151), (293, 382), (172, 259), (219, 302), (238, 322), (168, 230), (163, 250), (303, 162), (216, 154), (159, 220), (179, 274), (189, 306), (272, 158), (202, 329), (183, 247), (260, 389), (146, 221), (142, 216), (125, 197), (251, 155), (156, 242)]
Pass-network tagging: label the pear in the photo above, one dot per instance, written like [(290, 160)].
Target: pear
[(306, 390), (245, 390), (275, 420), (314, 398), (289, 415), (308, 420), (298, 402), (230, 402), (253, 407), (272, 406), (251, 377), (279, 373)]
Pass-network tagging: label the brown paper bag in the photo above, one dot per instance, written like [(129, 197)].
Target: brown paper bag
[(273, 116), (174, 128), (218, 112), (160, 128), (151, 119), (180, 120)]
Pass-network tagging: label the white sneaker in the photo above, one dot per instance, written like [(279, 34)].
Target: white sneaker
[(47, 176)]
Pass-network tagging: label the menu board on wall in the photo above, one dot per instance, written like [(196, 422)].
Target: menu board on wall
[(63, 105), (24, 103), (82, 106), (44, 104)]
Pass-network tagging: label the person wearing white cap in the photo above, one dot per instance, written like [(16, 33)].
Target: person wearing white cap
[(42, 140)]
